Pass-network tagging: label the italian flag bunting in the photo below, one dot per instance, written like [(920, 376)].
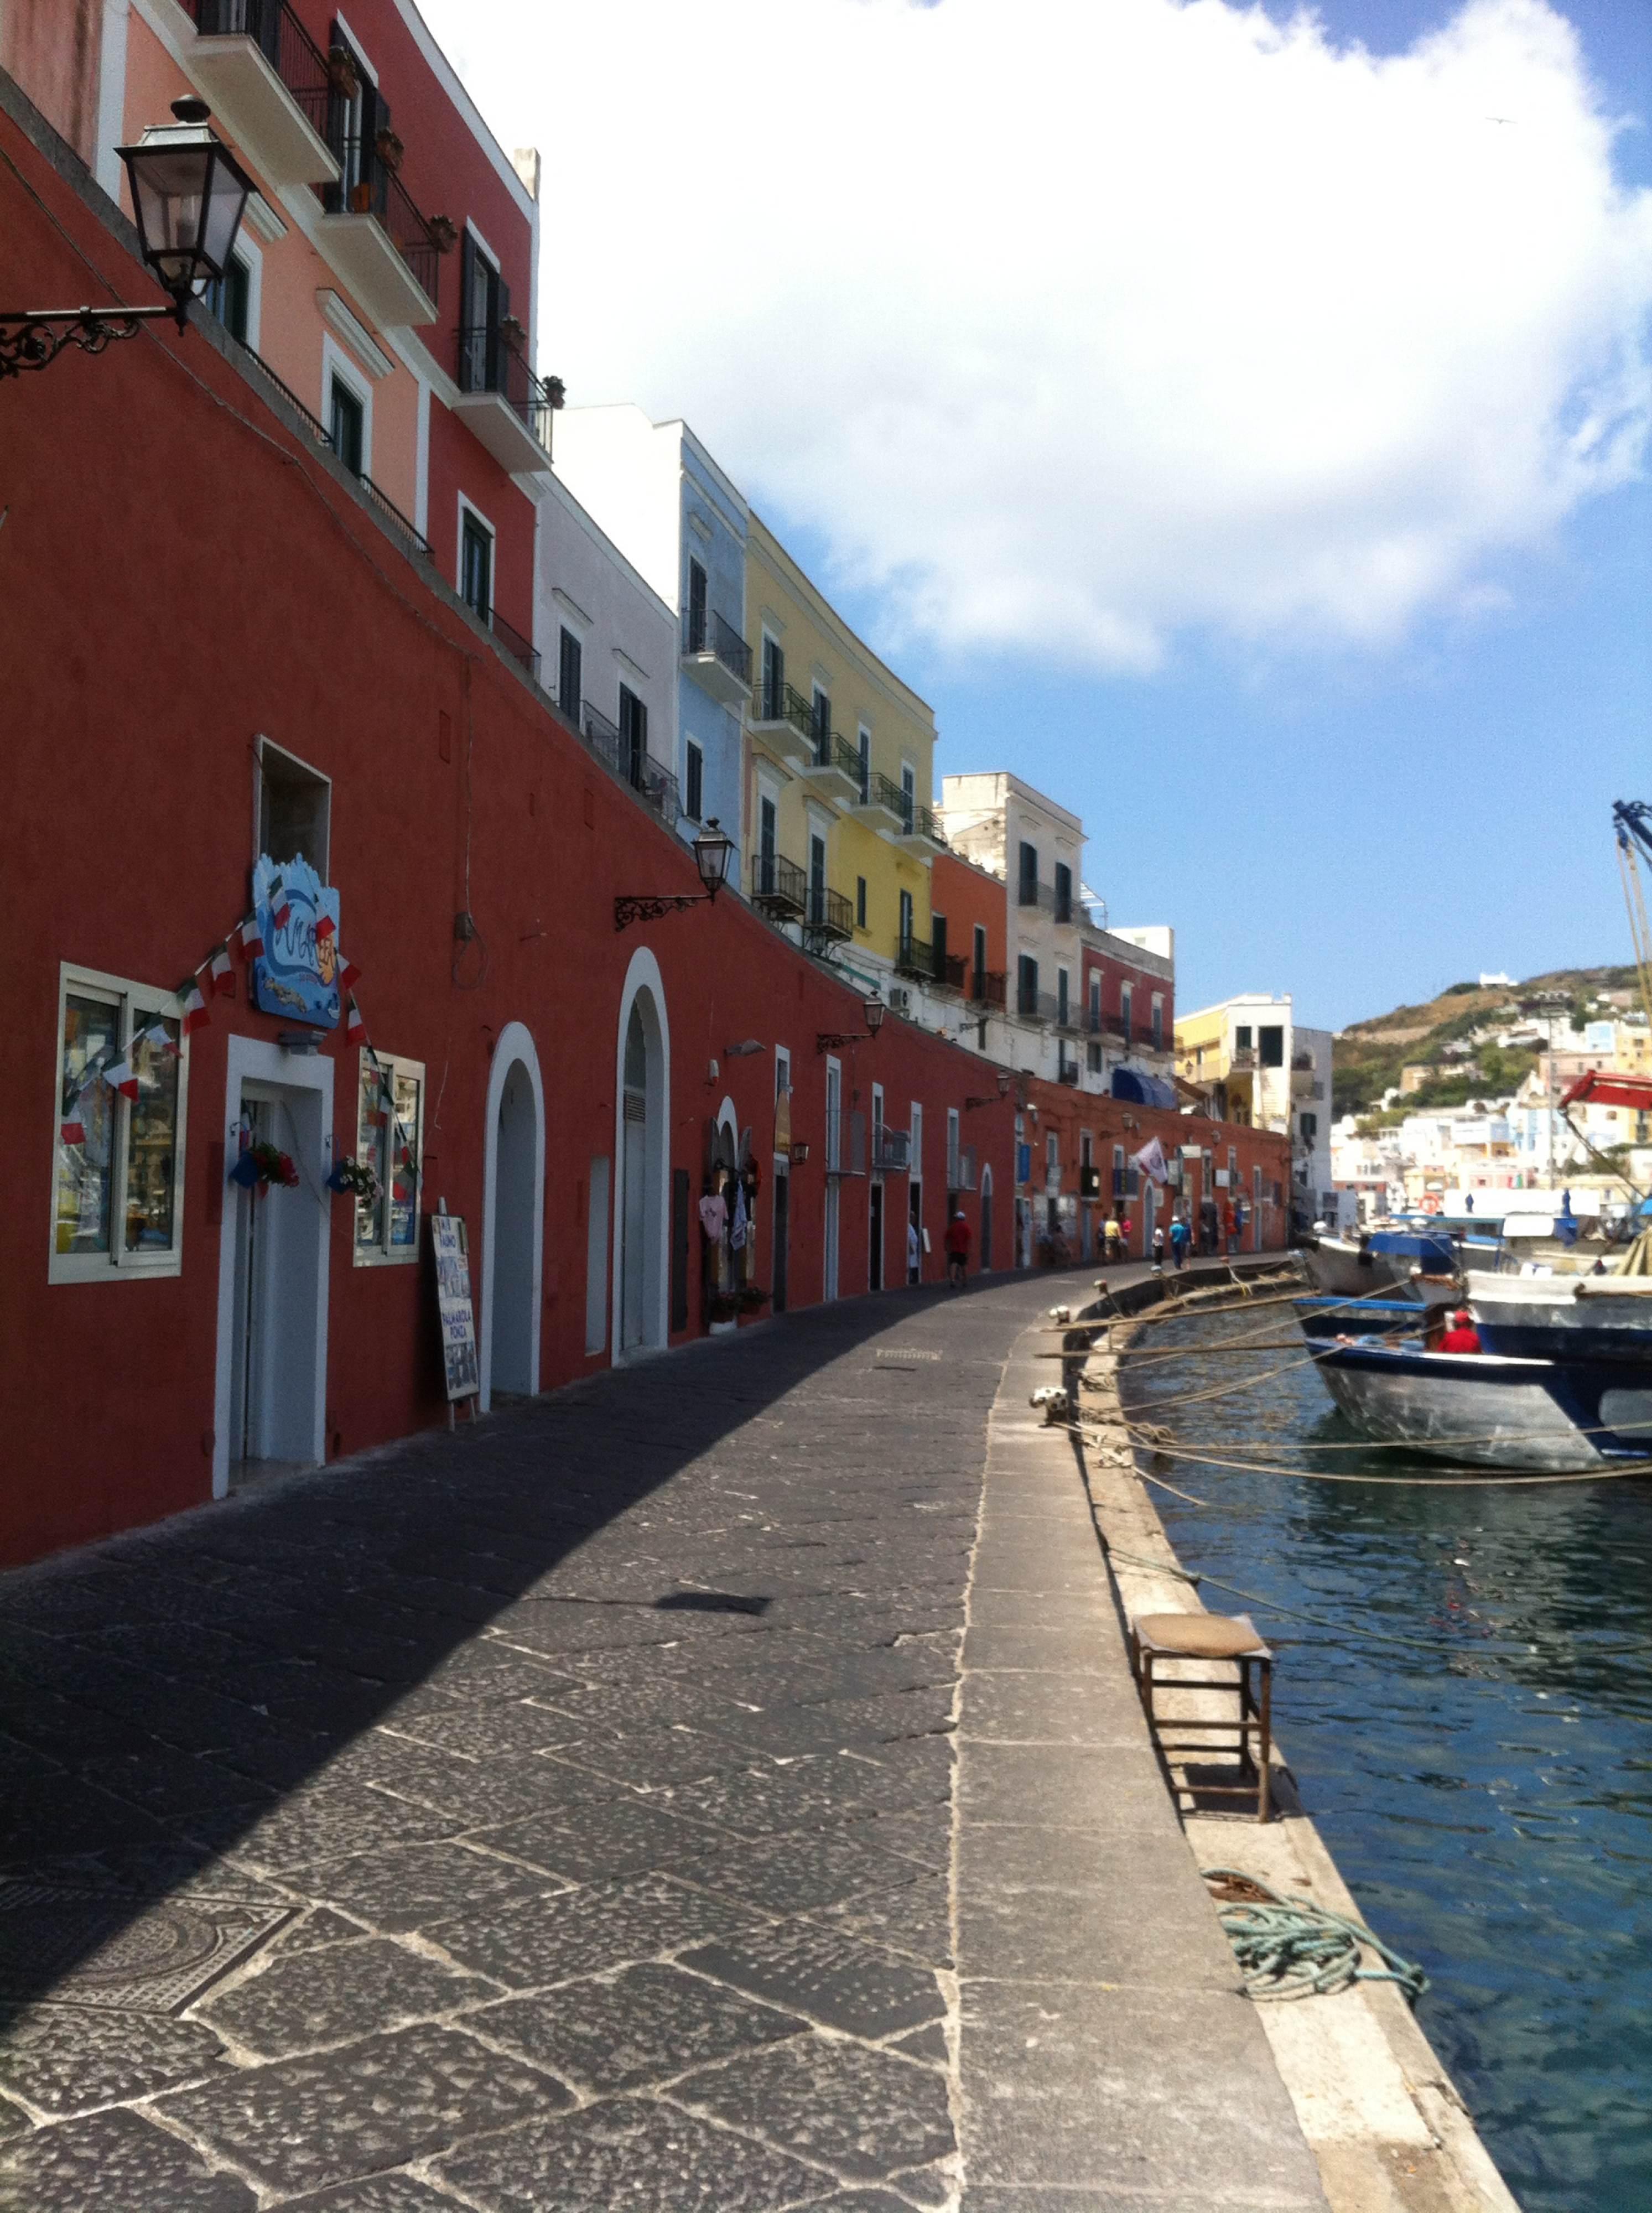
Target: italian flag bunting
[(196, 1016), (251, 940), (223, 973), (120, 1076), (280, 906), (349, 974), (325, 926), (73, 1132), (356, 1028)]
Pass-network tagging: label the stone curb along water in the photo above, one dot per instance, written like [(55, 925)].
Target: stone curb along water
[(1387, 2125)]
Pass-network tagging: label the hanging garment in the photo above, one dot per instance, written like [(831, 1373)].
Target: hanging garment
[(714, 1213), (737, 1232)]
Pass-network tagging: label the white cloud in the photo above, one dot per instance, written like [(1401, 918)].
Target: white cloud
[(1077, 323)]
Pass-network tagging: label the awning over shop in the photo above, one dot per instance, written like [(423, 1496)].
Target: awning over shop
[(1143, 1089)]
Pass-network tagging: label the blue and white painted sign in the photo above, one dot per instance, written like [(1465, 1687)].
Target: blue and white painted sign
[(297, 975)]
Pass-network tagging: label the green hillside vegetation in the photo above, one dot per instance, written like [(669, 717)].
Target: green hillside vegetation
[(1370, 1055)]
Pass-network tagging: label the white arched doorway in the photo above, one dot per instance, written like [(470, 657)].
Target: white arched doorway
[(642, 1215), (986, 1217), (513, 1218)]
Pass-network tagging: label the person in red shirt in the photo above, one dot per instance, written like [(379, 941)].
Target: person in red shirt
[(957, 1244), (1462, 1336)]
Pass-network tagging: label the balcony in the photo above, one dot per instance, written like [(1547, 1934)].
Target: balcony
[(518, 647), (845, 1143), (929, 964), (505, 406), (828, 919), (783, 718), (961, 1172), (882, 805), (412, 541), (376, 238), (892, 1151), (1042, 1007), (265, 80), (986, 988), (921, 829), (835, 770), (717, 656), (1058, 906), (779, 887), (632, 764), (1066, 1070)]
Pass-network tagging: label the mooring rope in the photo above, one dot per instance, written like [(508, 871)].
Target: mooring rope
[(1452, 1478), (1288, 1948)]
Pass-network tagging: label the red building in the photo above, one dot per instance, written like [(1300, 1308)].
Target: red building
[(224, 653)]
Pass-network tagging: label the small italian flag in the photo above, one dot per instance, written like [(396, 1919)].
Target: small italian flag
[(72, 1133), (252, 938), (120, 1076), (160, 1037), (196, 1016), (349, 974), (280, 906), (325, 926), (223, 973), (355, 1027)]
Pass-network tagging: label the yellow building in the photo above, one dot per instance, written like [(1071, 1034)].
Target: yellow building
[(840, 758)]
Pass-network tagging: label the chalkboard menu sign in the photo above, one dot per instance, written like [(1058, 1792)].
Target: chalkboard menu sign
[(452, 1299)]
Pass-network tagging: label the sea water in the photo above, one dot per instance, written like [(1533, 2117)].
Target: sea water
[(1484, 1777)]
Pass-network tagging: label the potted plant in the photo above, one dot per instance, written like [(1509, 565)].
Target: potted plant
[(722, 1311), (262, 1164), (752, 1298), (513, 331), (356, 1176), (389, 149), (443, 232), (342, 74)]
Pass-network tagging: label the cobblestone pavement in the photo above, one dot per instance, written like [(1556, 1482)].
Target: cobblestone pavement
[(554, 1815)]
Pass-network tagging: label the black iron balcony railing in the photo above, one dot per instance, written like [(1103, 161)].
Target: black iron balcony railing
[(915, 956), (1066, 1070), (782, 702), (833, 750), (704, 630), (1101, 1024), (828, 914), (1066, 1014), (922, 822), (892, 1149), (961, 1171), (779, 886), (631, 764), (518, 647), (368, 185), (387, 506), (1035, 1006), (985, 987), (881, 790), (281, 38), (1045, 897), (487, 361)]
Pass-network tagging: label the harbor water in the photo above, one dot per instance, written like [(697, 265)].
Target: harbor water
[(1468, 1719)]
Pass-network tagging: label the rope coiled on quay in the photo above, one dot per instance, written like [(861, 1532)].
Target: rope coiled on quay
[(1288, 1948)]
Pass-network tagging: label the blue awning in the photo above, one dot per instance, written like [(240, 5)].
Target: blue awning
[(1142, 1090)]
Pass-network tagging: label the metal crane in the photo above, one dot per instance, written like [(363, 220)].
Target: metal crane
[(1632, 823)]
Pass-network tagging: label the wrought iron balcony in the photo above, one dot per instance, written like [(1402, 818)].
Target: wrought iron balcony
[(836, 766), (717, 656), (375, 237), (961, 1172), (892, 1150), (828, 917), (266, 79), (508, 407), (415, 543), (882, 799), (923, 825), (986, 988), (845, 1143), (779, 886), (1066, 1070), (518, 647), (633, 764)]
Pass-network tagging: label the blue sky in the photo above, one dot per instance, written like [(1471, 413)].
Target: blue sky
[(1234, 422)]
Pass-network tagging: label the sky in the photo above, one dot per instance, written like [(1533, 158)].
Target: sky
[(1234, 420)]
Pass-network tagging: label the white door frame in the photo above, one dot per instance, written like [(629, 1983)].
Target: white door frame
[(255, 1059), (643, 975), (515, 1043)]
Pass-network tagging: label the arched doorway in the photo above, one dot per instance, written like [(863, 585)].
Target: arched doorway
[(642, 1223), (513, 1227), (986, 1217)]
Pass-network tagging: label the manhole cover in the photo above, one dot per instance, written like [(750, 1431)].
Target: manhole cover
[(96, 1948)]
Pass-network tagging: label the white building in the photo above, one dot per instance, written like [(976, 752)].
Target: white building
[(1258, 1065)]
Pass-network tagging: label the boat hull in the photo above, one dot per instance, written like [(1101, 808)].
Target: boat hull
[(1487, 1410), (1563, 1318)]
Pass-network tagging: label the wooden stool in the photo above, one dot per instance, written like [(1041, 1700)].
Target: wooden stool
[(1156, 1637)]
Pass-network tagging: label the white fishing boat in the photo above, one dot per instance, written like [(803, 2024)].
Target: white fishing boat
[(1479, 1410), (1400, 1264)]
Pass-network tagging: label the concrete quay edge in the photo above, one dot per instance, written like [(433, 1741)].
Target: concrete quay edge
[(1386, 2126)]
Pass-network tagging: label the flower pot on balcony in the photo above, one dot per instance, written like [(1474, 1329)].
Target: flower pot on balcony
[(389, 149), (443, 233), (513, 333), (361, 199), (342, 73)]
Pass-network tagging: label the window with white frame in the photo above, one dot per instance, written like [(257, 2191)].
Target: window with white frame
[(294, 809), (390, 1140), (117, 1202)]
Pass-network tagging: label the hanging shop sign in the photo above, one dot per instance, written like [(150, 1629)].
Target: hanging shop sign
[(1024, 1164), (783, 1119), (450, 1249), (295, 975)]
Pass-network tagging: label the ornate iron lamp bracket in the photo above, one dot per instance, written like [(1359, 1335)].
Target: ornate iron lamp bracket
[(829, 1041), (35, 338), (629, 907)]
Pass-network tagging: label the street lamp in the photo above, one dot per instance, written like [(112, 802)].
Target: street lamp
[(874, 1009), (1003, 1091), (713, 850), (189, 194)]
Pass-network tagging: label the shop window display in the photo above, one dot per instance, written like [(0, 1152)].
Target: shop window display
[(119, 1138), (389, 1139)]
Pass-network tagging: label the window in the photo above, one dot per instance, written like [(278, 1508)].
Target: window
[(817, 882), (696, 637), (1310, 1127), (347, 420), (294, 809), (1063, 892), (908, 795), (230, 298), (484, 302), (905, 920), (938, 944), (767, 826), (390, 1137), (693, 780), (980, 961), (822, 711), (1061, 996), (860, 902), (571, 664), (476, 564), (1126, 1008), (1027, 985), (1271, 1045), (1093, 1055), (865, 746), (118, 1199), (633, 735), (774, 679), (1242, 1038), (1158, 1022), (1052, 1155), (1029, 875)]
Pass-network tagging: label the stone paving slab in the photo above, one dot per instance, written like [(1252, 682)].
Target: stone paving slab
[(583, 1786)]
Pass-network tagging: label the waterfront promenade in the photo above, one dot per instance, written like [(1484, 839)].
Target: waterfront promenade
[(715, 1785)]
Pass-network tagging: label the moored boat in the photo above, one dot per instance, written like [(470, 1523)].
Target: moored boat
[(1418, 1267)]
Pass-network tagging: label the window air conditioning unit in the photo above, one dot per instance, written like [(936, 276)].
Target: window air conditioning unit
[(900, 998)]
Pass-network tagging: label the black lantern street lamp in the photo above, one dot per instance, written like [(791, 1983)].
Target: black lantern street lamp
[(1003, 1091), (713, 850), (189, 194), (874, 1011)]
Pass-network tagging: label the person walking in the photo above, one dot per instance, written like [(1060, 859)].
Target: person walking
[(912, 1252), (1178, 1243), (1111, 1235), (957, 1250), (1158, 1245)]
